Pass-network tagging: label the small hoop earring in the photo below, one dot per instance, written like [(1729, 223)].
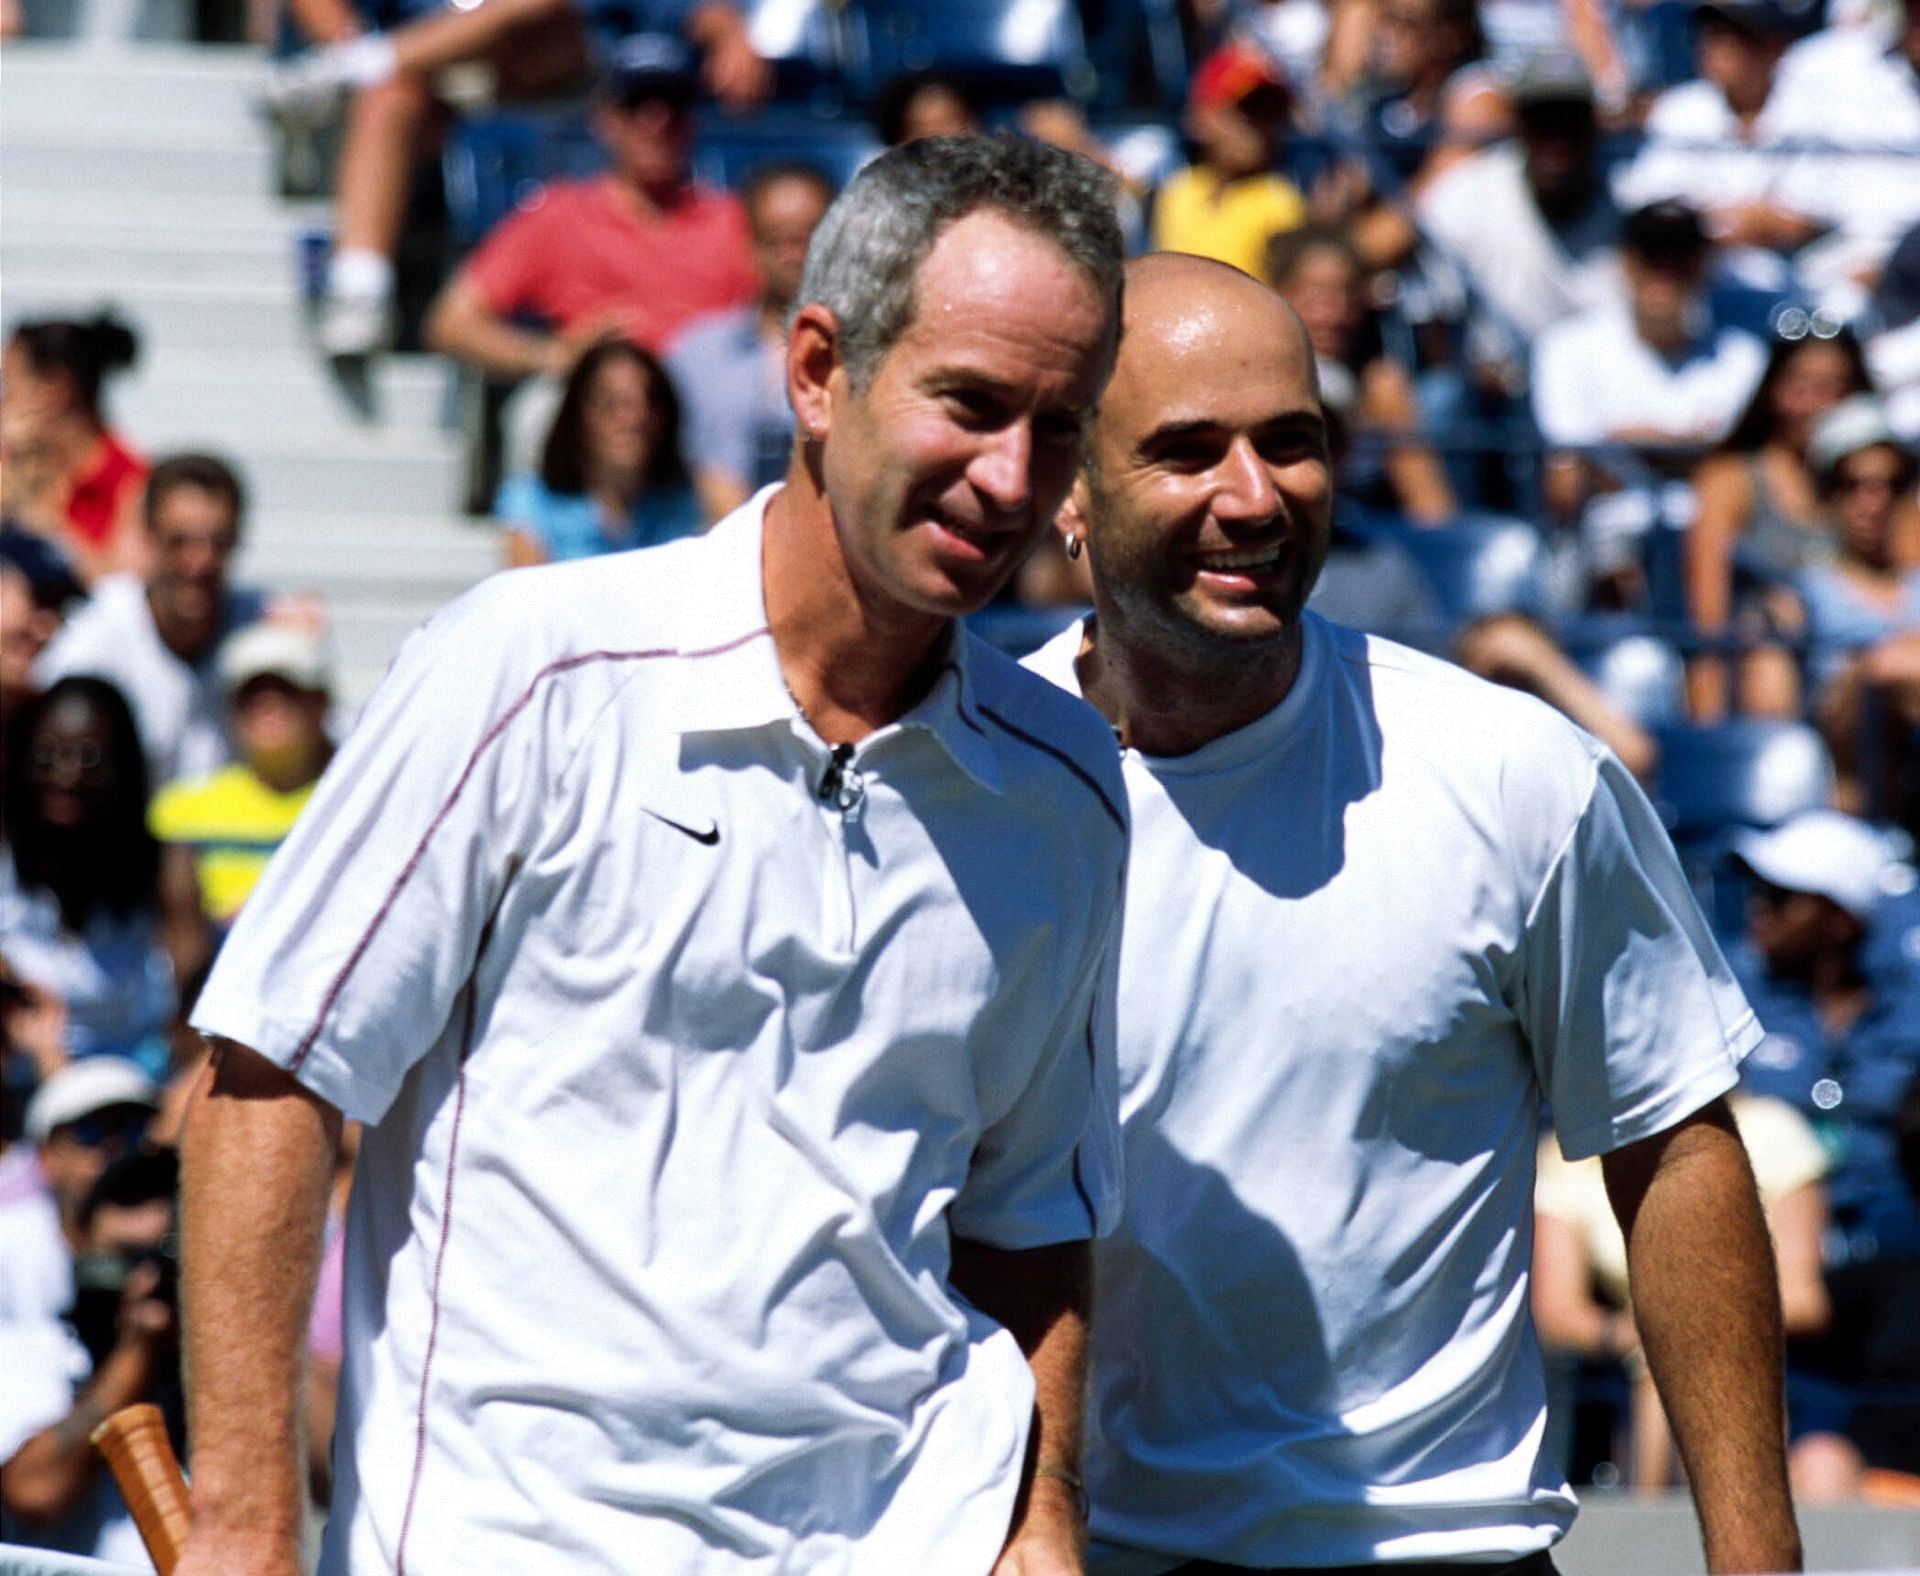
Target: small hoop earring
[(1074, 544)]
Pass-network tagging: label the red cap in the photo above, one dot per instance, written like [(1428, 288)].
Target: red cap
[(1230, 73)]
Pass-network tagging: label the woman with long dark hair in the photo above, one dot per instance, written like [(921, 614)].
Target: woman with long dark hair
[(1758, 524), (612, 475), (84, 918), (89, 482)]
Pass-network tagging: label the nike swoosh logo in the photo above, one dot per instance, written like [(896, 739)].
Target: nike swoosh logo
[(706, 832)]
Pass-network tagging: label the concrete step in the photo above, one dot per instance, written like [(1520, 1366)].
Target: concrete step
[(105, 259), (204, 216), (334, 479), (408, 564), (140, 88), (259, 318), (253, 396), (105, 160)]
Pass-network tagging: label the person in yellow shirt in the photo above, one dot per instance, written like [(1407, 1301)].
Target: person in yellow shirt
[(219, 831), (1230, 203)]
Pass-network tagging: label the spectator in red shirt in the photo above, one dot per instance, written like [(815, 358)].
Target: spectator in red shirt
[(87, 482), (638, 252)]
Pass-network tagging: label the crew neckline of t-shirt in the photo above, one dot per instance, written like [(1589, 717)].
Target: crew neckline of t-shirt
[(1267, 731)]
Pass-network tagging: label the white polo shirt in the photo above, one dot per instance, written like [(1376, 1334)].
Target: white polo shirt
[(1364, 934), (1594, 376), (681, 1080)]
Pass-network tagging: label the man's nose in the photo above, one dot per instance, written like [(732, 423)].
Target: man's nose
[(1247, 494), (1003, 469)]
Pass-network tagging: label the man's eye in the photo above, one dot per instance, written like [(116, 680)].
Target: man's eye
[(972, 407)]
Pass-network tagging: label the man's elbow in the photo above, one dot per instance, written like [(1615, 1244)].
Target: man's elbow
[(448, 328), (39, 1495)]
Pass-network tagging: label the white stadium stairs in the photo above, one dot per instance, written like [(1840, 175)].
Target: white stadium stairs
[(137, 176)]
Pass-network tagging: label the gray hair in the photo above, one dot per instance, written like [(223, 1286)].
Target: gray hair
[(866, 253)]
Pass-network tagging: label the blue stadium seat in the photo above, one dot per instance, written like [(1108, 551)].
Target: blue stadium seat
[(1734, 774), (729, 150), (1481, 564), (494, 162), (1007, 50)]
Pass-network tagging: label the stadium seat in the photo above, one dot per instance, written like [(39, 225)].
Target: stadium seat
[(1734, 774), (1007, 50), (728, 150), (1481, 564), (494, 162)]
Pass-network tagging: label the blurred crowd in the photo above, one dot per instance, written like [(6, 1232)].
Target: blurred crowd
[(1616, 305)]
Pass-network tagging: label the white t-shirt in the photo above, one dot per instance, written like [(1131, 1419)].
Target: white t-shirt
[(178, 705), (1696, 149), (1482, 215), (1363, 935), (680, 1080), (1855, 102), (1593, 376)]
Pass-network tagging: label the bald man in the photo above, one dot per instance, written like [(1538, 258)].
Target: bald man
[(1377, 910)]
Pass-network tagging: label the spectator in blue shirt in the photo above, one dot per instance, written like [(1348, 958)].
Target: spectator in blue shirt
[(731, 367), (612, 475), (1842, 1045)]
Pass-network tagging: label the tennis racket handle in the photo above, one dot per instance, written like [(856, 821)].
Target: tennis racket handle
[(134, 1442)]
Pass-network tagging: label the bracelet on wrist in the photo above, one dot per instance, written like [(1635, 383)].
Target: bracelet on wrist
[(1082, 1506)]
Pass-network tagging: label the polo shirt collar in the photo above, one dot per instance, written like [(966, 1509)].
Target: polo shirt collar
[(732, 676)]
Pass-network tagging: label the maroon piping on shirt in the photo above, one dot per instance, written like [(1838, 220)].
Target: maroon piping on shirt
[(563, 665)]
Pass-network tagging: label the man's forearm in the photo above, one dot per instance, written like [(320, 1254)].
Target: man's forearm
[(1708, 1307), (258, 1155), (1043, 1296)]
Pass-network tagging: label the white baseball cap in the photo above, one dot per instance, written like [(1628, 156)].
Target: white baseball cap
[(276, 650), (1824, 852), (82, 1087)]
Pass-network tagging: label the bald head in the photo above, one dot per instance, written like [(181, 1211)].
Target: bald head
[(1183, 313), (1205, 496)]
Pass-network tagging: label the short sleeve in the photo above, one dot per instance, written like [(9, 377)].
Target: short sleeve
[(345, 964), (1049, 1171), (509, 265), (1634, 1019)]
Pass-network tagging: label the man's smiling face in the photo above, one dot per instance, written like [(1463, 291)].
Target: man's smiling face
[(947, 466), (1207, 494)]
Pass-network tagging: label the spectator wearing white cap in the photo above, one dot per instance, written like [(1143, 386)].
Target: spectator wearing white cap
[(218, 831), (77, 1121), (1863, 609), (1843, 1048)]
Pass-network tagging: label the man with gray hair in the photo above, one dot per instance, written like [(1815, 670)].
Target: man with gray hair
[(717, 942)]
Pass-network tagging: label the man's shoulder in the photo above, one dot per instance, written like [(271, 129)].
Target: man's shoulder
[(1042, 722), (112, 629), (1599, 330), (729, 334), (1689, 109), (1458, 718), (1491, 175)]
